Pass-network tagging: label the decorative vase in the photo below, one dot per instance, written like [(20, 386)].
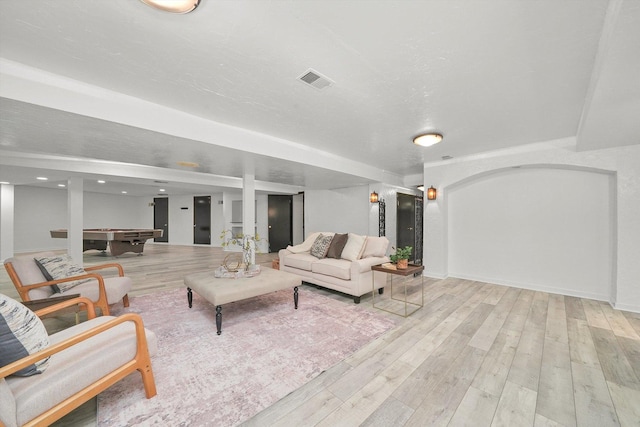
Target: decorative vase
[(402, 264), (248, 251)]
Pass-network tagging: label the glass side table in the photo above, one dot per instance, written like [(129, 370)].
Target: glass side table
[(404, 298)]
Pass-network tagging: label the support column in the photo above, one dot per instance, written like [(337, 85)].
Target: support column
[(75, 214), (249, 207), (7, 203)]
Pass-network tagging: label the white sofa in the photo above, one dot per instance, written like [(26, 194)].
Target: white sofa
[(350, 274)]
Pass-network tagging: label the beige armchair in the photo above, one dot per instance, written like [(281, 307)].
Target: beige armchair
[(84, 360), (31, 284)]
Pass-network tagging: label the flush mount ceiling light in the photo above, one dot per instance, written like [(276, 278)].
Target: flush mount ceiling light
[(173, 6), (427, 139), (188, 164)]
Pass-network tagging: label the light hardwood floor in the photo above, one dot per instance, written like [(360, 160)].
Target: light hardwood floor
[(476, 354)]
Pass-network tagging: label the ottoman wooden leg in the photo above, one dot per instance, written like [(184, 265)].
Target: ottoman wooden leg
[(295, 297), (219, 319), (189, 297)]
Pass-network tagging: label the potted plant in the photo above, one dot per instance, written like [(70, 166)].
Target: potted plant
[(249, 245), (401, 257)]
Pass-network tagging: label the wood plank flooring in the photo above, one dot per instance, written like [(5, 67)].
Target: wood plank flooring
[(476, 354)]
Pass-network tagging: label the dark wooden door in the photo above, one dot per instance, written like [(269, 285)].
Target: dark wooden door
[(280, 222), (161, 218), (202, 220), (406, 222)]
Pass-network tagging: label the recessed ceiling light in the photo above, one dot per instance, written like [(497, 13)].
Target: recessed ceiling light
[(4, 182), (42, 178), (427, 139), (123, 192), (101, 181), (188, 164), (61, 185), (173, 6), (162, 189)]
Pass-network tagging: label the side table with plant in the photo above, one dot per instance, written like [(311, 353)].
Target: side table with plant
[(401, 257)]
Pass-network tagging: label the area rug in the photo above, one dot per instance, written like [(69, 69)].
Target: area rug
[(266, 350)]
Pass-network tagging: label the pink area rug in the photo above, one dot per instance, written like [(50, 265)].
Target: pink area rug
[(266, 350)]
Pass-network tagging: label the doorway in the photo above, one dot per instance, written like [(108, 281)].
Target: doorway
[(280, 222), (161, 218), (202, 220), (409, 225)]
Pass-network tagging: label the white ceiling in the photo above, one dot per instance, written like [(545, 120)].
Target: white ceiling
[(115, 84)]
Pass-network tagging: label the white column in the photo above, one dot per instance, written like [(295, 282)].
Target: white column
[(7, 203), (249, 206), (75, 215)]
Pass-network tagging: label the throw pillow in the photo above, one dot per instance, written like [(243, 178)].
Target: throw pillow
[(304, 246), (60, 267), (21, 333), (375, 247), (321, 246), (337, 245), (353, 249)]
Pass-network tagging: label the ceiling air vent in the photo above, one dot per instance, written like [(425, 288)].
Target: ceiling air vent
[(315, 79)]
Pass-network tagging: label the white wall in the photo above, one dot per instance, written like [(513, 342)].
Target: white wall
[(344, 210), (39, 210), (537, 228), (623, 163)]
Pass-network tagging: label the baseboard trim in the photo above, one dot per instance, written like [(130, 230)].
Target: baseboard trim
[(534, 287)]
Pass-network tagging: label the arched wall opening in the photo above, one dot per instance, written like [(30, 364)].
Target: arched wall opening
[(543, 227)]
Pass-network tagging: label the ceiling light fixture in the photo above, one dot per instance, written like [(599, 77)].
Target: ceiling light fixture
[(188, 164), (61, 185), (427, 139), (42, 178), (173, 6), (100, 181)]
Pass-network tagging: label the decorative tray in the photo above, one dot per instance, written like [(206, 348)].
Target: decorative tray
[(223, 273)]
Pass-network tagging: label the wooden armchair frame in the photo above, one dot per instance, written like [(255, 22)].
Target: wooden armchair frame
[(101, 302), (141, 361)]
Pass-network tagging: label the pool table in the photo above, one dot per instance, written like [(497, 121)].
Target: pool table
[(120, 240)]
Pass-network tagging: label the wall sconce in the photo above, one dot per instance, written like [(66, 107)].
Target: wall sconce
[(373, 197), (431, 193)]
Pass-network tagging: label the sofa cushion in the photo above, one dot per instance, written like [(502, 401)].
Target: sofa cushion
[(337, 245), (339, 268), (321, 246), (117, 288), (354, 247), (302, 261), (100, 355), (27, 270), (304, 246), (375, 247), (21, 333), (7, 405), (60, 267)]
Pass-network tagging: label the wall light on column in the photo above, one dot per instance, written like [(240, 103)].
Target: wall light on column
[(431, 193), (373, 197), (173, 6)]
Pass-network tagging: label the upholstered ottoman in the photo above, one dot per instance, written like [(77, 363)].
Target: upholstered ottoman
[(219, 291)]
